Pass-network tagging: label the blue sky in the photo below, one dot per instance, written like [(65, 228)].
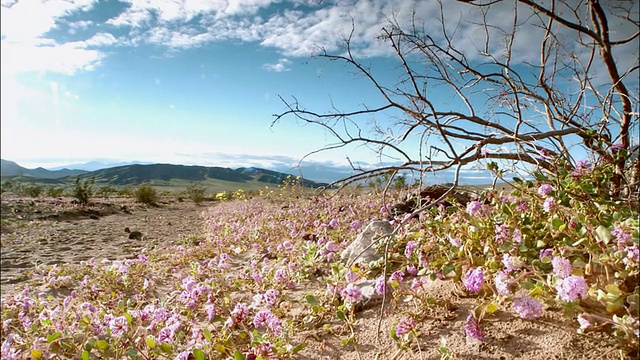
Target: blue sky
[(128, 81), (193, 81)]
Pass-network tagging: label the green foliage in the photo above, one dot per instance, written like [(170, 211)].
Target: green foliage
[(55, 191), (125, 192), (83, 190), (33, 190), (106, 191), (146, 194), (196, 193), (6, 186), (399, 183)]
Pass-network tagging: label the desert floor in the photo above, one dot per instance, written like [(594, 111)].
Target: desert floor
[(48, 231)]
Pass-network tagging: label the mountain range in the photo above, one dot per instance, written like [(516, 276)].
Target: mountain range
[(143, 173)]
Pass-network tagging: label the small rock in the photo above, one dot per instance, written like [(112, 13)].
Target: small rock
[(360, 250), (136, 235)]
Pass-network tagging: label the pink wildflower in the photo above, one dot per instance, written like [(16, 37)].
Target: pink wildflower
[(404, 326), (474, 279), (472, 329), (410, 248), (545, 189), (397, 275), (527, 307), (351, 294), (572, 288), (118, 326), (380, 286), (474, 208), (561, 267)]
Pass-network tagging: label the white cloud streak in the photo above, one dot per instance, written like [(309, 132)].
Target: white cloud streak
[(279, 66)]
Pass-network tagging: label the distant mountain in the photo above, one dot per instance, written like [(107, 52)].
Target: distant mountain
[(318, 172), (97, 165), (10, 168), (138, 174)]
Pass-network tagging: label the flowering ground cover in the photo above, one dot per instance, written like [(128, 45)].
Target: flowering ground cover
[(547, 270)]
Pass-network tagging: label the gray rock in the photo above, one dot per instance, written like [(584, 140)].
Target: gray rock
[(360, 250)]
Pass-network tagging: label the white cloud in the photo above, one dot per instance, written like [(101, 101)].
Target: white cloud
[(278, 24), (279, 66), (25, 46), (66, 58)]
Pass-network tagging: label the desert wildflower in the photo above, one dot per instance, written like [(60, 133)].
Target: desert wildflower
[(527, 307), (351, 294), (545, 189), (572, 288), (472, 329), (474, 208), (561, 267), (404, 326), (474, 279)]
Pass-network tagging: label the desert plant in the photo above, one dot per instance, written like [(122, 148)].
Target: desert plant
[(33, 190), (106, 191), (146, 194), (6, 186), (55, 191), (125, 192), (196, 193), (83, 191)]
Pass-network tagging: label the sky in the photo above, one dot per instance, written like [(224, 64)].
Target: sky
[(195, 82)]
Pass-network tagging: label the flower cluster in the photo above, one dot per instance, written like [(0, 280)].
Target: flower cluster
[(474, 279)]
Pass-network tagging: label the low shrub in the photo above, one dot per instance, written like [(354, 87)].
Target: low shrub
[(146, 194), (83, 191), (196, 193)]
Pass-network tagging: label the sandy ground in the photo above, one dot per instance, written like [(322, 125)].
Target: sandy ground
[(55, 231)]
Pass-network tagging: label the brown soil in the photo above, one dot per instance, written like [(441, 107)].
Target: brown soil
[(57, 231)]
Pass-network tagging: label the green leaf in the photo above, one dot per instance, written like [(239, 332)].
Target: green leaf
[(346, 341), (165, 348), (527, 285), (238, 355), (298, 347), (579, 242), (491, 308), (151, 342), (102, 345), (311, 299), (447, 269), (340, 315), (129, 318), (517, 180), (207, 335), (558, 224), (53, 337), (615, 306), (132, 353), (603, 234), (393, 334), (89, 344), (257, 337), (85, 355), (199, 354)]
